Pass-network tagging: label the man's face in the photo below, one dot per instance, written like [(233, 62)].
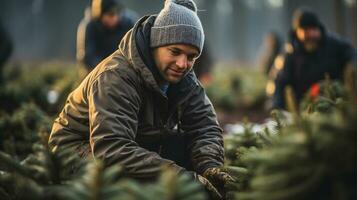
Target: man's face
[(110, 19), (175, 61), (309, 37)]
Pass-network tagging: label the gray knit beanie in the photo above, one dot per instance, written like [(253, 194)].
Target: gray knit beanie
[(177, 23)]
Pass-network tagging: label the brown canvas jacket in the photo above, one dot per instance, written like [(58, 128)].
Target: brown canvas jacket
[(119, 115)]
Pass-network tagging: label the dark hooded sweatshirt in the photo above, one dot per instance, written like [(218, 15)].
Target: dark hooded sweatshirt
[(120, 115)]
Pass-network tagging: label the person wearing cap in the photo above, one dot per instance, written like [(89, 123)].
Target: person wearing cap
[(311, 54), (104, 24), (143, 107)]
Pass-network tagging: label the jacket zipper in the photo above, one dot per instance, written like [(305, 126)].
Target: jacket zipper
[(179, 114), (179, 109)]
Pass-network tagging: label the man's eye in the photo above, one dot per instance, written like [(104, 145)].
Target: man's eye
[(175, 53)]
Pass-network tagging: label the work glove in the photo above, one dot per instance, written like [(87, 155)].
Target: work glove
[(219, 178), (210, 189)]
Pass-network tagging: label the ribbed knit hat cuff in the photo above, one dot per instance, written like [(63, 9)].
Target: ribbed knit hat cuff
[(176, 34)]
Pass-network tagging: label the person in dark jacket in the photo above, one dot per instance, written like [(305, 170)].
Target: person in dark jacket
[(100, 31), (143, 106), (311, 55)]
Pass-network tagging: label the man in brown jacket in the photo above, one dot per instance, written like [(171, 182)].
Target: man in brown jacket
[(143, 106)]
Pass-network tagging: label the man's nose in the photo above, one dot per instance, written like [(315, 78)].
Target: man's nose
[(181, 62)]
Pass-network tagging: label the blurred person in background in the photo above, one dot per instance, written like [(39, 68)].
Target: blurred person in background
[(5, 48), (104, 24), (143, 107), (311, 54)]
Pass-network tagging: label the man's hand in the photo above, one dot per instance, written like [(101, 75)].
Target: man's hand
[(212, 191), (218, 178)]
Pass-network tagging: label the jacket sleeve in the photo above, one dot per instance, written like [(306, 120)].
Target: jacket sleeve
[(283, 78), (199, 123), (114, 104)]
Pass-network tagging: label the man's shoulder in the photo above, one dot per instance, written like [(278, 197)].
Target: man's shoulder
[(115, 66), (336, 41)]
